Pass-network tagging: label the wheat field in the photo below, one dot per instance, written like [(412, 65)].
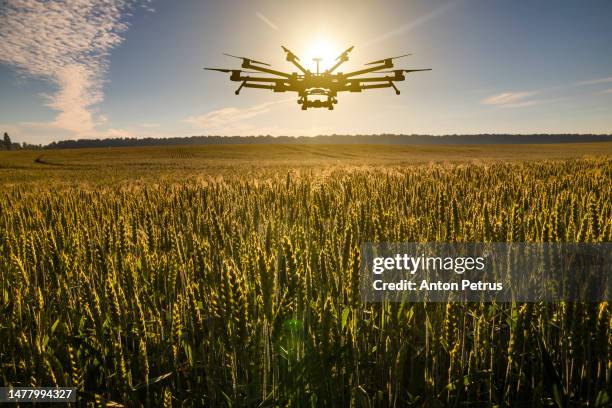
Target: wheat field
[(228, 275)]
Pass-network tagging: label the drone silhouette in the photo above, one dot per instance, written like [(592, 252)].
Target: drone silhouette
[(320, 89)]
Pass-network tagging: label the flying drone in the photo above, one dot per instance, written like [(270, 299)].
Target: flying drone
[(320, 89)]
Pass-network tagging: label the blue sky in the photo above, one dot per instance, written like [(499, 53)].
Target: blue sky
[(127, 68)]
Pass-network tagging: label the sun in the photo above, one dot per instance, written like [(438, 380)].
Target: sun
[(324, 49)]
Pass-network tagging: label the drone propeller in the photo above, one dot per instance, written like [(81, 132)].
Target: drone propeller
[(227, 70), (247, 59), (218, 69), (403, 70), (382, 61)]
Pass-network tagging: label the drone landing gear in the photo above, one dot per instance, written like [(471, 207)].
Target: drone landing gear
[(397, 91), (317, 103), (240, 87)]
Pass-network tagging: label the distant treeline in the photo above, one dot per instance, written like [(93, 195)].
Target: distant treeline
[(335, 139)]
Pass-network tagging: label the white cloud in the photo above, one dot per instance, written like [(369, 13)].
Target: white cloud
[(413, 24), (67, 43), (532, 102), (231, 120), (507, 98), (517, 100), (595, 81), (525, 98), (119, 133), (225, 116), (266, 20)]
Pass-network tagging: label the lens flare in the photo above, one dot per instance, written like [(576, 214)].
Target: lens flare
[(324, 49)]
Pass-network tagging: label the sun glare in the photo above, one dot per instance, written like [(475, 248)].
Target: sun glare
[(324, 49)]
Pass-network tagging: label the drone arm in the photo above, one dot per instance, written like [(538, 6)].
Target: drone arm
[(246, 84), (382, 78), (297, 64), (386, 64), (341, 59), (259, 86), (398, 75), (389, 84), (374, 86), (249, 65), (259, 79)]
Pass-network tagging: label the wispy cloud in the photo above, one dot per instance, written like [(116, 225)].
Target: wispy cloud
[(526, 98), (595, 81), (413, 24), (532, 102), (119, 133), (266, 20), (517, 99), (507, 98), (227, 116), (67, 43), (231, 120)]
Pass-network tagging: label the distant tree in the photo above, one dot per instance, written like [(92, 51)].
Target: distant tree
[(7, 142), (383, 138)]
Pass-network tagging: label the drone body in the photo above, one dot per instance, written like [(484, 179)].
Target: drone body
[(320, 89)]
